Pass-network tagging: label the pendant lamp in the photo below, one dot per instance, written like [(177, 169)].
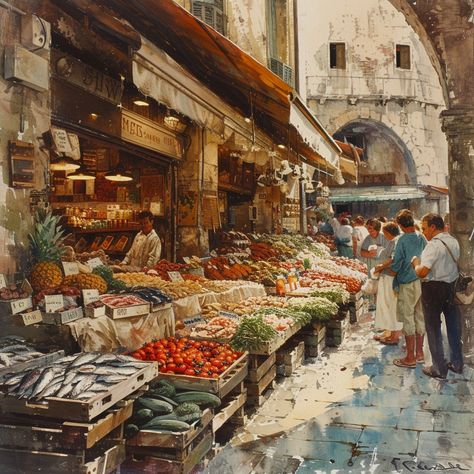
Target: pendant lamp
[(81, 174), (119, 174), (63, 164)]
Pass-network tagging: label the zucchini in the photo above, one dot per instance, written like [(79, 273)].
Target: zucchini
[(199, 398), (142, 416), (156, 419), (158, 407), (166, 425), (190, 417), (131, 430), (157, 396)]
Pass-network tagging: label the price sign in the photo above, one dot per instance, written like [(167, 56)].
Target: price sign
[(34, 317), (3, 283), (175, 276), (17, 306), (187, 260), (227, 314), (213, 253), (94, 262), (89, 296), (70, 268), (53, 303), (192, 321)]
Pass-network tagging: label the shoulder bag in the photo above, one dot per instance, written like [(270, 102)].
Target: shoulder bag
[(463, 293)]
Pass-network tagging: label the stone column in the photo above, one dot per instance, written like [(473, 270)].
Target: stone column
[(458, 124)]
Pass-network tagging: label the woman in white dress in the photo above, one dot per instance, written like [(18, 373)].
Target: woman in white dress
[(386, 311)]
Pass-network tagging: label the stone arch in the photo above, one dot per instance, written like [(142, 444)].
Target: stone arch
[(434, 54), (397, 157)]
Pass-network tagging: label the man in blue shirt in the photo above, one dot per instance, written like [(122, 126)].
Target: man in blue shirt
[(409, 310)]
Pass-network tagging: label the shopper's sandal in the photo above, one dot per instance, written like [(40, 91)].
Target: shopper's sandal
[(388, 341), (382, 335), (404, 363), (454, 369), (420, 359), (431, 373)]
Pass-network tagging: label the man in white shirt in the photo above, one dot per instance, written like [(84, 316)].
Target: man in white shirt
[(359, 234), (146, 248), (439, 271)]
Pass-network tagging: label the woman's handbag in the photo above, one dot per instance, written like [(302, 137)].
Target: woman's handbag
[(463, 289)]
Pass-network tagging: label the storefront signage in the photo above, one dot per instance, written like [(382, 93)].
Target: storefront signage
[(86, 77), (141, 131), (90, 296), (53, 303), (175, 276), (70, 268)]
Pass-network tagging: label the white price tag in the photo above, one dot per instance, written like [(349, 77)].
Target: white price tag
[(89, 296), (187, 260), (227, 314), (34, 317), (175, 276), (3, 283), (53, 303), (20, 305), (70, 268), (192, 321), (213, 253), (94, 262)]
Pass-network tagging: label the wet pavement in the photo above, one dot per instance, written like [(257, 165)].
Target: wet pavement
[(352, 411)]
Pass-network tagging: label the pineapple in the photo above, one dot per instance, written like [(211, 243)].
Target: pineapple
[(46, 244), (86, 281)]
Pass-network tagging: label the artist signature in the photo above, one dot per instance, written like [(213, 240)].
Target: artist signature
[(415, 466)]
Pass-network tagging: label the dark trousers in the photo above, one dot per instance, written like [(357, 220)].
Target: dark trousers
[(436, 297)]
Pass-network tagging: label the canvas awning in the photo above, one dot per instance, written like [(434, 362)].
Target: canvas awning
[(375, 193)]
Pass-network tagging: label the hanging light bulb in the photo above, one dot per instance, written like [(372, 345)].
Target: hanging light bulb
[(119, 174), (63, 164), (81, 174)]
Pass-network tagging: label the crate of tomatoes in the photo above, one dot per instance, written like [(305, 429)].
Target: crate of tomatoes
[(197, 365)]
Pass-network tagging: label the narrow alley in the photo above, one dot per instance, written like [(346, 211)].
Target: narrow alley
[(352, 411)]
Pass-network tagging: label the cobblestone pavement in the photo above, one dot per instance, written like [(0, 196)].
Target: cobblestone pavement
[(352, 411)]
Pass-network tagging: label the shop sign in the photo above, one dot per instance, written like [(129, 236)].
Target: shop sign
[(141, 131), (89, 79)]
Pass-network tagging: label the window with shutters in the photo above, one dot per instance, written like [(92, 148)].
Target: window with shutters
[(337, 55), (402, 56), (211, 12)]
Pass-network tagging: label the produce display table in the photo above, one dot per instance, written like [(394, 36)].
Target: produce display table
[(106, 334)]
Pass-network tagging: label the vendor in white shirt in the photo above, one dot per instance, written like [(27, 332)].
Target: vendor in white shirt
[(146, 248)]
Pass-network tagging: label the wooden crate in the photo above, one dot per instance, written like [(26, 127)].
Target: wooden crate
[(335, 332), (256, 390), (280, 339), (13, 461), (289, 358), (232, 408), (259, 366), (220, 386), (80, 410), (146, 464), (39, 434), (159, 443), (38, 362)]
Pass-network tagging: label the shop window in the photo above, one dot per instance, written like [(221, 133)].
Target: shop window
[(402, 56), (211, 12), (337, 55)]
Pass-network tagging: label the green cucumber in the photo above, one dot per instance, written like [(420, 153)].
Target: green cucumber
[(159, 407), (166, 425), (199, 398)]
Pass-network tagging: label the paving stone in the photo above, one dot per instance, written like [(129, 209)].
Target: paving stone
[(368, 416), (450, 446), (388, 441), (313, 430), (436, 401), (454, 422), (276, 408)]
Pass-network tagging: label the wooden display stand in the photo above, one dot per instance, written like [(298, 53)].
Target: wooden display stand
[(357, 307), (314, 337), (289, 357), (232, 409), (336, 331), (262, 372)]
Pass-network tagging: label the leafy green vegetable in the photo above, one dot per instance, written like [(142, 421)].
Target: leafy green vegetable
[(336, 294), (320, 309), (252, 332)]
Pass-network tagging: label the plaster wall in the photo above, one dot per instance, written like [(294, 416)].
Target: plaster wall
[(24, 115), (372, 87)]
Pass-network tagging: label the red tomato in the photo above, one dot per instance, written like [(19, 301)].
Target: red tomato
[(207, 354), (171, 366), (178, 360), (189, 372), (216, 362), (180, 369)]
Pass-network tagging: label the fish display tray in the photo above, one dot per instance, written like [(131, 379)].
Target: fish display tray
[(220, 386), (43, 434), (80, 410), (178, 441), (13, 461), (37, 362)]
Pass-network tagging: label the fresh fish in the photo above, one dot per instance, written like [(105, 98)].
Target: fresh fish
[(46, 377), (104, 371), (99, 387), (13, 380), (83, 386), (29, 380), (111, 379), (125, 370), (50, 390), (27, 393), (19, 358), (126, 358), (86, 368), (105, 358), (136, 365), (65, 360), (82, 359), (35, 354), (4, 360), (86, 395), (15, 348), (65, 390)]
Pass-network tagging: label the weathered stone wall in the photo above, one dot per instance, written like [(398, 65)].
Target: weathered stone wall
[(24, 115)]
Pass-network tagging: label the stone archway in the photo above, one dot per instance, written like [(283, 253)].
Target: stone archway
[(385, 154)]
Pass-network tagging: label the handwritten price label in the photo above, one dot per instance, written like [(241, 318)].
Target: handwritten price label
[(70, 268), (187, 260), (3, 282), (94, 262), (227, 314), (89, 296), (192, 321), (34, 317), (175, 276), (23, 304), (53, 303)]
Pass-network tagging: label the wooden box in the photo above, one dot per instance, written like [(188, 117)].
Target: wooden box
[(63, 317)]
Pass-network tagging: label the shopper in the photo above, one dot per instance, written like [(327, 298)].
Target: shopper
[(439, 271), (146, 247), (343, 238), (373, 244), (359, 233), (410, 244), (386, 310)]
